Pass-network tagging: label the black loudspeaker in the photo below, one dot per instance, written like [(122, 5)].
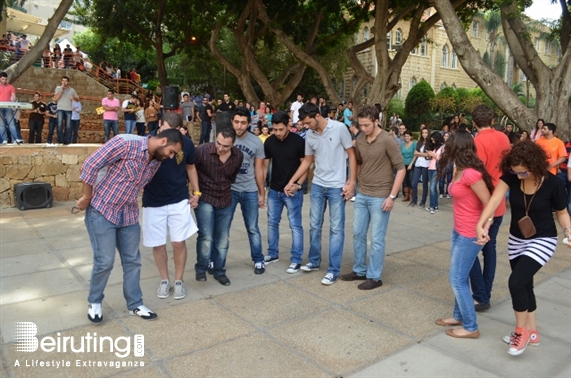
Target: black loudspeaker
[(223, 120), (170, 98), (33, 195)]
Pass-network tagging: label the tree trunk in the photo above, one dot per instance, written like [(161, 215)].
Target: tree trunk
[(18, 68), (552, 85)]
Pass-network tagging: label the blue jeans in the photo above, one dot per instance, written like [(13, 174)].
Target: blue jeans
[(105, 238), (433, 178), (321, 196), (108, 125), (482, 281), (61, 114), (153, 127), (71, 132), (463, 252), (52, 124), (130, 125), (7, 117), (368, 211), (249, 204), (213, 233), (276, 202), (419, 171), (205, 128), (445, 180)]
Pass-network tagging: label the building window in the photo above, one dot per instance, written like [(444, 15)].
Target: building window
[(475, 27), (442, 86), (423, 46), (398, 37), (445, 56), (366, 35), (536, 44), (547, 47), (389, 40), (414, 51), (454, 62), (357, 38), (65, 25), (412, 83)]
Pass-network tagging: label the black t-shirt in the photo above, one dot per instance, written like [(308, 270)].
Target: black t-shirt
[(227, 107), (38, 105), (285, 157), (324, 111), (203, 113), (169, 184), (550, 195)]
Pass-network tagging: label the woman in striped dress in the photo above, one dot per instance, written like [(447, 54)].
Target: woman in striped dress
[(534, 191)]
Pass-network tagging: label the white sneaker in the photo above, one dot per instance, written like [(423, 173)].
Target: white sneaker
[(329, 279), (293, 268), (4, 142), (441, 196), (309, 267), (164, 289), (143, 312), (94, 313), (179, 290)]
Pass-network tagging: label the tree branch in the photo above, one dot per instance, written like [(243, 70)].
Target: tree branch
[(218, 55)]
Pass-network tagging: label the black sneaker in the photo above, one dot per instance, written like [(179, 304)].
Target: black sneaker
[(94, 313), (352, 277), (480, 307), (370, 284), (259, 268), (270, 259), (223, 280), (201, 277), (210, 268)]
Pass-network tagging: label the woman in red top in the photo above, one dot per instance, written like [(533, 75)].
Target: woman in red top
[(470, 188)]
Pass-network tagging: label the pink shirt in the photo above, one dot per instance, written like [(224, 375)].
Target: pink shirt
[(432, 163), (108, 114), (6, 92), (466, 205)]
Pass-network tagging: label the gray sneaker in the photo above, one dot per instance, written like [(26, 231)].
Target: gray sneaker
[(309, 267), (164, 289), (179, 290), (293, 268)]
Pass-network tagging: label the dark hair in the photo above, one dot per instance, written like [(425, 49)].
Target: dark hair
[(173, 119), (422, 141), (526, 133), (438, 140), (395, 130), (483, 116), (537, 124), (460, 149), (369, 112), (308, 110), (462, 126), (515, 137), (242, 112), (3, 74), (173, 136), (38, 93), (408, 132), (280, 117), (111, 91), (227, 132), (379, 107), (529, 155), (551, 126), (65, 77)]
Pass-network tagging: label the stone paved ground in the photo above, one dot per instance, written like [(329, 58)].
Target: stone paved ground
[(275, 324)]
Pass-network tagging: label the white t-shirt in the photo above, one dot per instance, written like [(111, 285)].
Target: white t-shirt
[(295, 109)]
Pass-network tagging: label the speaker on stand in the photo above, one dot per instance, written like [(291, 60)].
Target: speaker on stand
[(170, 98), (33, 195)]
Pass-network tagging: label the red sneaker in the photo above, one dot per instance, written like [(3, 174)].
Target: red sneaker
[(519, 341)]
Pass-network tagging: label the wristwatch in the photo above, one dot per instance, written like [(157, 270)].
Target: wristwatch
[(299, 186), (392, 197)]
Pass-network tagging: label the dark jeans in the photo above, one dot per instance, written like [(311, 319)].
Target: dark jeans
[(108, 125), (35, 126), (419, 171), (407, 182), (140, 128), (481, 281), (153, 127), (64, 116), (73, 131), (205, 128), (521, 283), (52, 124)]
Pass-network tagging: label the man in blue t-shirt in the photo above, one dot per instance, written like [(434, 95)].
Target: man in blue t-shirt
[(348, 114), (166, 202)]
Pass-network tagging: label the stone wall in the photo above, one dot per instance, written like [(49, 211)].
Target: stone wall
[(59, 166)]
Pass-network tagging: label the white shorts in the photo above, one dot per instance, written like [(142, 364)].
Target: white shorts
[(178, 218)]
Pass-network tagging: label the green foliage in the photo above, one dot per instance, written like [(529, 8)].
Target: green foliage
[(486, 58), (396, 105), (417, 101), (462, 93), (478, 93), (499, 64), (449, 92)]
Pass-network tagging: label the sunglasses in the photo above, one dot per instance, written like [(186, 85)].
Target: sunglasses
[(520, 174)]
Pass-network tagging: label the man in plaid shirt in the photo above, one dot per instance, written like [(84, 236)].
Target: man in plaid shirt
[(113, 176)]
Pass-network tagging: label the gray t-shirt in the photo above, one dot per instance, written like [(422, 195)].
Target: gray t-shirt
[(252, 148), (330, 155), (65, 101), (187, 110)]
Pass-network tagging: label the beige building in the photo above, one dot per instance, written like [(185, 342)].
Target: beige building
[(435, 61)]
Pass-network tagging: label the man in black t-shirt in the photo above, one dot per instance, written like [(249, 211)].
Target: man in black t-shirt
[(205, 114), (285, 150), (227, 105), (36, 120)]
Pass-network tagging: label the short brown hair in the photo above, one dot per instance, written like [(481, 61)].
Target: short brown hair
[(483, 116), (369, 112)]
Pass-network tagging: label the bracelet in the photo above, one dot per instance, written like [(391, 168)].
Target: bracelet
[(490, 219), (567, 229), (197, 194)]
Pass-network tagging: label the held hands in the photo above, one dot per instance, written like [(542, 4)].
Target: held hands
[(348, 192), (261, 201), (482, 233), (193, 201), (290, 189)]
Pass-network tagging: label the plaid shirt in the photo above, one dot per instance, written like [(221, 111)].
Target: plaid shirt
[(128, 170)]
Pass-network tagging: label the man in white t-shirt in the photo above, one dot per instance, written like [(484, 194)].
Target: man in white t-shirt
[(294, 110)]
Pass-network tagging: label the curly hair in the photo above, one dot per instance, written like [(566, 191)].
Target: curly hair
[(460, 150), (529, 155)]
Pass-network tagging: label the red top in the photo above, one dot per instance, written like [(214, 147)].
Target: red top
[(490, 147), (466, 205), (6, 92)]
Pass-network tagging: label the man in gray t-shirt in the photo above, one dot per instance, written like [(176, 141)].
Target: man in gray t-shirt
[(64, 96), (329, 143), (187, 108), (248, 189)]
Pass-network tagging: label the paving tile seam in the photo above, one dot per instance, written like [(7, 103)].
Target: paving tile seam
[(6, 365)]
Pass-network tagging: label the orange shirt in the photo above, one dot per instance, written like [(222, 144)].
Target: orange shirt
[(554, 148), (490, 146)]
